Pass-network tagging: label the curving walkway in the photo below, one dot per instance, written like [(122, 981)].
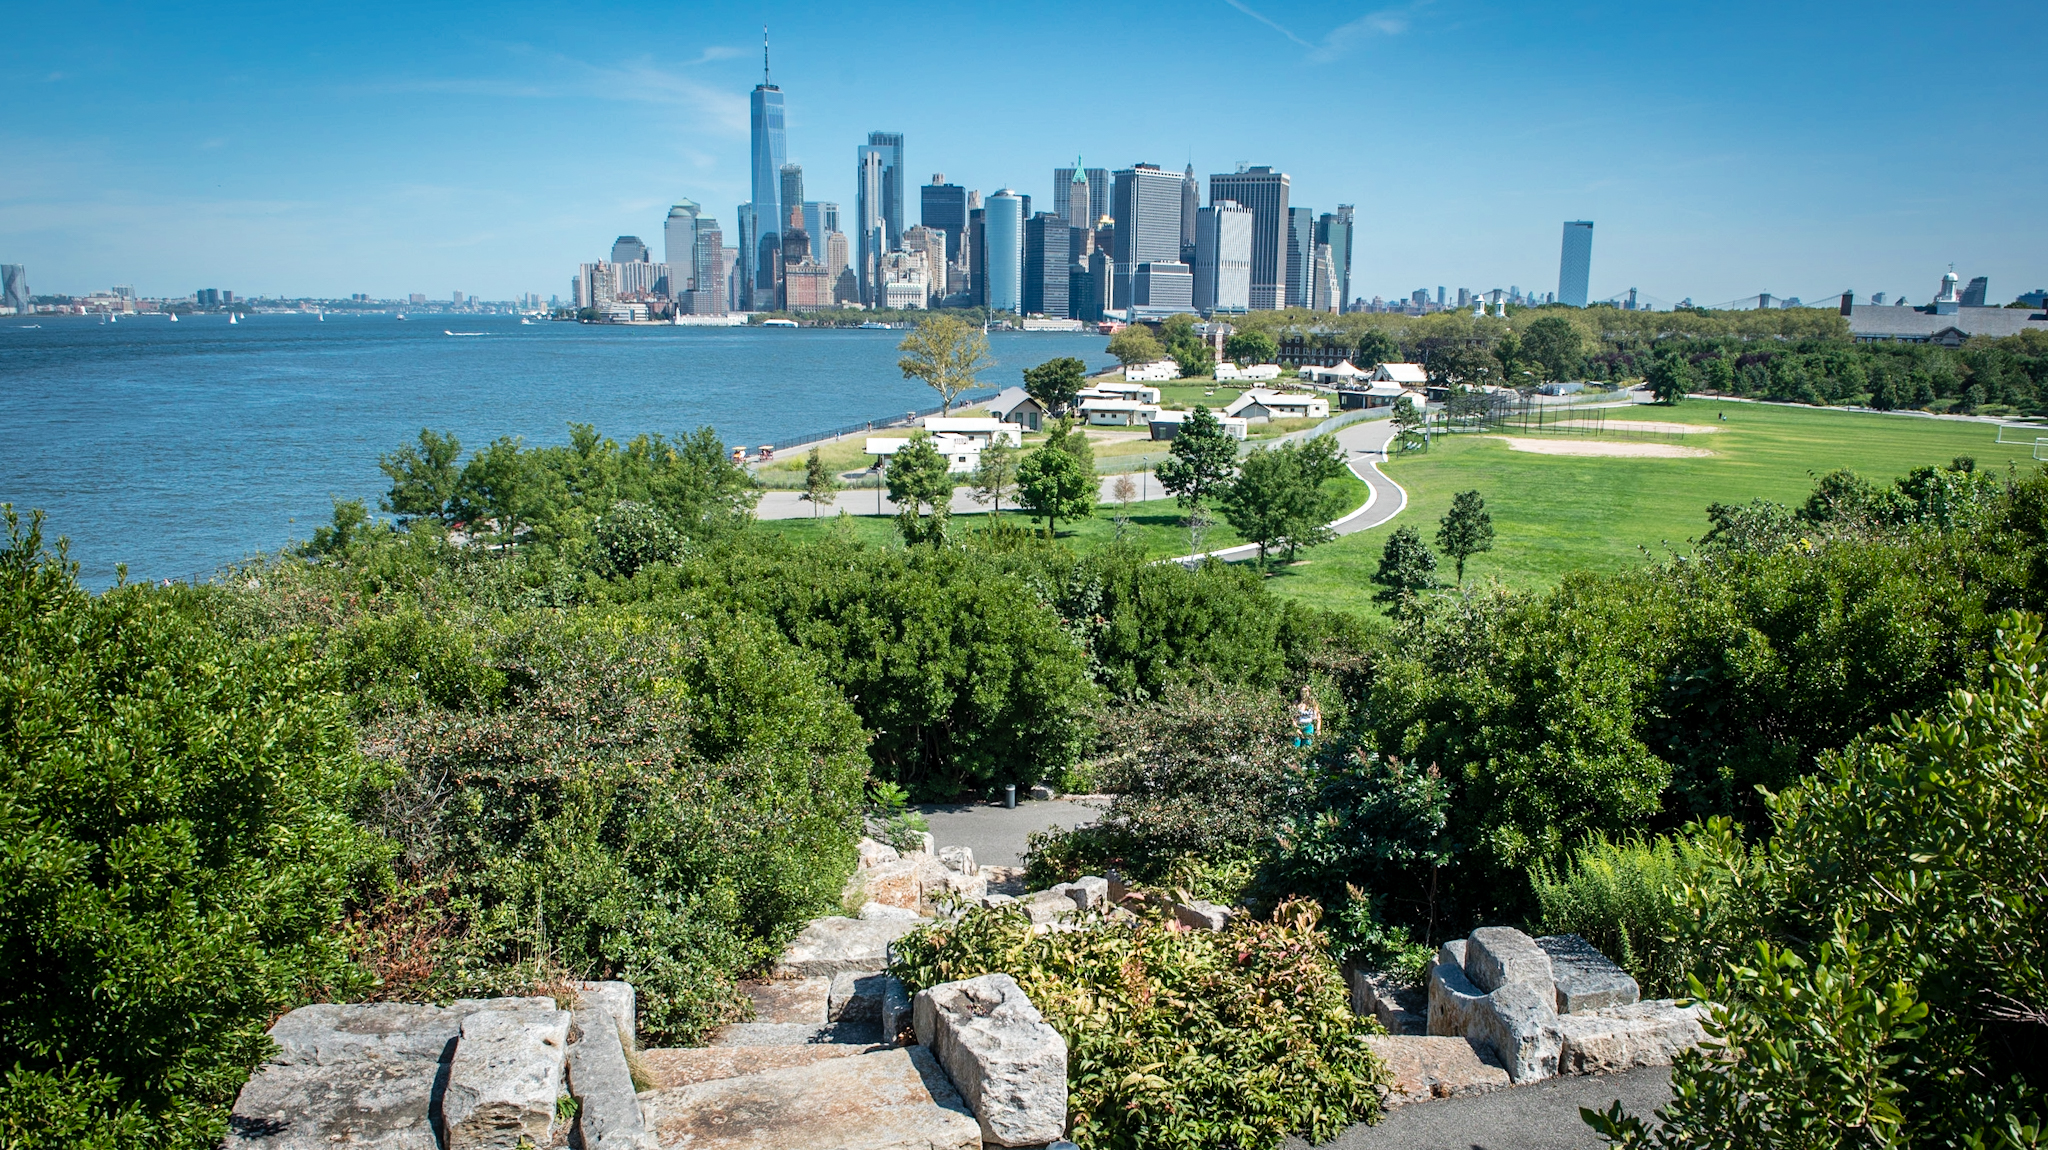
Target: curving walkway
[(1365, 448)]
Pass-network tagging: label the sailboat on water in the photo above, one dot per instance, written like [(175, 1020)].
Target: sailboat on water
[(174, 317), (232, 319)]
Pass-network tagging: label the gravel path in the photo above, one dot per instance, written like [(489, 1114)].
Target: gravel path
[(1543, 1116)]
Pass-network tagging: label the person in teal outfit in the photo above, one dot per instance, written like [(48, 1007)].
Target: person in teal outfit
[(1307, 717)]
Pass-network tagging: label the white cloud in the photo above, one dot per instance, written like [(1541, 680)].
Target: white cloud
[(1268, 22), (1371, 26)]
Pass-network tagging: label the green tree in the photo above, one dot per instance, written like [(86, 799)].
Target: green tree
[(944, 352), (1717, 374), (632, 535), (1375, 347), (1556, 344), (1195, 360), (1407, 568), (919, 477), (997, 473), (1202, 459), (1463, 363), (1070, 436), (1409, 421), (1134, 345), (1278, 497), (1056, 383), (1053, 485), (505, 493), (176, 857), (1669, 376), (423, 477), (1465, 530), (350, 525), (1246, 348), (694, 482), (820, 485)]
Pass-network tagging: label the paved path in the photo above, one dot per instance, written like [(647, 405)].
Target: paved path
[(1365, 448), (995, 834), (1543, 1116)]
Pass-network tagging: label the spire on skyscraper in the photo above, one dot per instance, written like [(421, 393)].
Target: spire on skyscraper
[(765, 82)]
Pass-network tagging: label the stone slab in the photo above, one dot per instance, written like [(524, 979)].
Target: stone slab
[(1586, 980), (1420, 1069), (1519, 1021), (790, 999), (793, 1033), (895, 1099), (1401, 1009), (617, 999), (1009, 1065), (504, 1079), (1454, 1003), (829, 946), (1048, 906), (1619, 1038), (1202, 915), (897, 1013), (877, 912), (608, 1109), (1089, 892), (688, 1065), (871, 853), (1498, 955), (958, 859), (856, 997)]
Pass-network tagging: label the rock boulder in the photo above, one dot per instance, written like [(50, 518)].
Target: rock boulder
[(504, 1078), (1010, 1067), (1586, 980)]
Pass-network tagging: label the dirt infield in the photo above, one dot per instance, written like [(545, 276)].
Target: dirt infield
[(1601, 447), (1650, 425)]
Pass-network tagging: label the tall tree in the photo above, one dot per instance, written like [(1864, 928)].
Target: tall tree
[(1555, 344), (820, 485), (1407, 568), (1072, 438), (1056, 383), (1278, 498), (1669, 376), (1375, 347), (945, 352), (508, 490), (1135, 344), (1202, 459), (919, 477), (1408, 422), (1465, 530), (1053, 485), (996, 474), (1245, 348), (423, 478)]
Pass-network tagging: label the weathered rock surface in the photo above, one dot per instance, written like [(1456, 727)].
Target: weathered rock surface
[(872, 853), (992, 901), (504, 1078), (1203, 915), (1050, 905), (962, 889), (959, 859), (608, 1112), (1454, 1003), (1043, 792), (1586, 979), (1089, 892), (897, 1012), (1617, 1038), (856, 997), (1519, 1022), (877, 912), (1422, 1068), (685, 1066), (1118, 888), (828, 946), (790, 999), (1010, 1067), (1496, 956), (908, 883), (793, 1033), (889, 1100), (1401, 1009), (617, 999)]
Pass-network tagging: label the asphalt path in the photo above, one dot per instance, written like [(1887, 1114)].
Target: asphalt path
[(996, 834), (1540, 1116)]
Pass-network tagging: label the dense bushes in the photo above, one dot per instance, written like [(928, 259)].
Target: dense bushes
[(175, 855), (1178, 1038)]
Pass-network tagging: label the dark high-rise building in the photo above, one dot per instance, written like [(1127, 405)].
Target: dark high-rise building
[(977, 257), (943, 206), (1301, 266), (1190, 205), (1973, 296), (1070, 195), (1046, 256), (791, 191), (14, 288), (1264, 191), (629, 250), (878, 201), (1146, 203), (1575, 265), (761, 223), (1335, 230)]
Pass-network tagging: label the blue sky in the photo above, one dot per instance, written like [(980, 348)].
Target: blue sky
[(1722, 149)]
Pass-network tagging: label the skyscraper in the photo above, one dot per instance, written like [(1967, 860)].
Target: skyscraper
[(1575, 266), (679, 235), (629, 250), (944, 206), (1070, 195), (1190, 204), (1335, 230), (1046, 255), (1264, 191), (1973, 296), (977, 254), (708, 291), (761, 225), (932, 242), (14, 291), (878, 196), (1301, 239), (790, 190), (1146, 203), (1005, 258), (1323, 283), (1223, 259), (821, 218)]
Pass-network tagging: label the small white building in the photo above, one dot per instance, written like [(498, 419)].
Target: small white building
[(1100, 412), (1340, 375), (1159, 372), (1166, 424), (1230, 372), (1143, 393), (962, 455), (983, 430), (1014, 405), (1260, 404)]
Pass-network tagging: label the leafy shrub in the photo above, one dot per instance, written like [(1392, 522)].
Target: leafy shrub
[(1178, 1038), (633, 535), (175, 856), (1361, 820), (1623, 896)]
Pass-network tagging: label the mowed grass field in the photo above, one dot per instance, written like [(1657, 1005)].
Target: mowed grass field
[(1559, 513)]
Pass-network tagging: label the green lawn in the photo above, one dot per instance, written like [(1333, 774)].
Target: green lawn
[(1158, 525), (1558, 513)]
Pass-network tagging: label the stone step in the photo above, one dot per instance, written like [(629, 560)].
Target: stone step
[(790, 999), (895, 1099), (687, 1066), (1421, 1068), (829, 946), (864, 1032)]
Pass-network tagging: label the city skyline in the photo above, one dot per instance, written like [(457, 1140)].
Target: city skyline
[(496, 161)]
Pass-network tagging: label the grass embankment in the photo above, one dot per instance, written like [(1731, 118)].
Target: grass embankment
[(1559, 513)]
